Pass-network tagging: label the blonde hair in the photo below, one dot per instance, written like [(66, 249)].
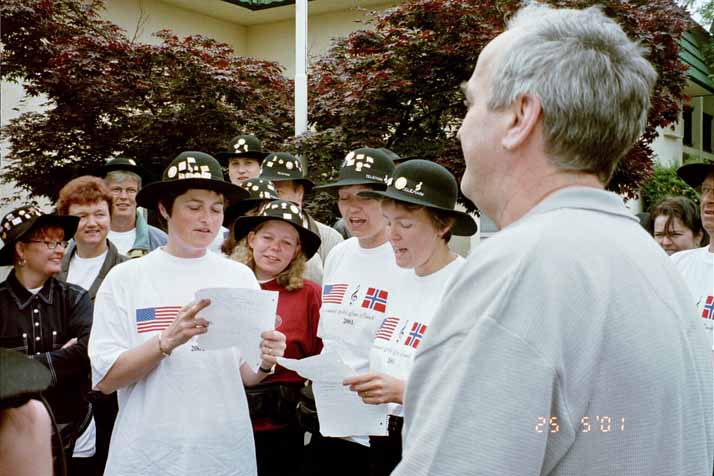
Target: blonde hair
[(290, 278)]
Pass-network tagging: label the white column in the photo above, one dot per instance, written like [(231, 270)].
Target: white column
[(300, 66)]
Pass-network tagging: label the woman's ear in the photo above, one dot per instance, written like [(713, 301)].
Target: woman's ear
[(19, 251), (298, 250), (162, 211), (249, 239)]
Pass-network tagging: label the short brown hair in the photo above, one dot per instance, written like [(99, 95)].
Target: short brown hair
[(439, 219), (83, 190)]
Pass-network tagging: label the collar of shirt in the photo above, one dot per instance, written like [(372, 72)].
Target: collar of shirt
[(585, 198), (23, 297)]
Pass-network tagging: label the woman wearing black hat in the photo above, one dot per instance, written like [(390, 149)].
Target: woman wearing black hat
[(419, 209), (276, 245), (242, 158), (43, 317), (260, 193), (360, 282), (181, 411)]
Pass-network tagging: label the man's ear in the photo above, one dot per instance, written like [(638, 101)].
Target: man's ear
[(526, 113)]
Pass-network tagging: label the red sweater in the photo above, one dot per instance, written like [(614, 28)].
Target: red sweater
[(299, 311)]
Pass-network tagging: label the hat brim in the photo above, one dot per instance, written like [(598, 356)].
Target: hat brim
[(332, 187), (238, 209), (695, 173), (309, 241), (223, 157), (20, 377), (464, 224), (140, 171), (148, 197), (67, 223)]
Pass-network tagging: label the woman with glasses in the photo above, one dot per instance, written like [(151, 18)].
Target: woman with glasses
[(44, 318)]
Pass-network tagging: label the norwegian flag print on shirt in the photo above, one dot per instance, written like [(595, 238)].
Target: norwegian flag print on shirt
[(333, 293), (150, 319), (386, 330), (708, 310), (376, 299), (416, 335)]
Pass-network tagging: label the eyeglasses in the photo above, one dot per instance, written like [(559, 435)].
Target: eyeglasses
[(707, 190), (51, 245)]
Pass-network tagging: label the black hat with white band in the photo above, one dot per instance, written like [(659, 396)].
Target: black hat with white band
[(189, 170), (426, 183), (284, 211)]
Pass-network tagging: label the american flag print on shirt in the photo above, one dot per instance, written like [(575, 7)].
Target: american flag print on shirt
[(150, 319), (708, 310), (333, 293), (376, 299), (416, 335), (386, 330)]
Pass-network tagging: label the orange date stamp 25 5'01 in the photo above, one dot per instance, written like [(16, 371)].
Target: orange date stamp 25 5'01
[(588, 424)]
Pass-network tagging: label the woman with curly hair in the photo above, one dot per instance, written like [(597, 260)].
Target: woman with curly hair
[(676, 225), (276, 246)]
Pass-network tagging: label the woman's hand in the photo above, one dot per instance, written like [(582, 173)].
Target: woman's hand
[(185, 326), (272, 346), (376, 388)]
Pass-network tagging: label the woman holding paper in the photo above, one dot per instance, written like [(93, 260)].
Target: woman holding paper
[(418, 206), (181, 410), (276, 246)]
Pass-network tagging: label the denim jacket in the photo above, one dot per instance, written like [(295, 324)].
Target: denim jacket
[(39, 325)]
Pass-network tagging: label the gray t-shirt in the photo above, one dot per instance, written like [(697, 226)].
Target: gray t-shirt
[(567, 345)]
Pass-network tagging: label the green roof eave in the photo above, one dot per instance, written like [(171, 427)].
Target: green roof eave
[(260, 4), (691, 54)]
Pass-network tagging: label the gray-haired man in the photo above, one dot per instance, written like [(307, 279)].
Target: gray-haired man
[(569, 343), (129, 231)]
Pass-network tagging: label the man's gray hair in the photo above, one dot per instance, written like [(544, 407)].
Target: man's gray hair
[(593, 82), (118, 176)]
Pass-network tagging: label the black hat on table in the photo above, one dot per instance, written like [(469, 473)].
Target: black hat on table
[(258, 190), (694, 173), (190, 169), (20, 378), (364, 166), (283, 166), (426, 183), (284, 211), (19, 222), (125, 164), (244, 146)]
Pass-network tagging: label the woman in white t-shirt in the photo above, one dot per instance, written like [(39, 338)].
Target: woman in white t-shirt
[(419, 210), (182, 410), (87, 261), (359, 282)]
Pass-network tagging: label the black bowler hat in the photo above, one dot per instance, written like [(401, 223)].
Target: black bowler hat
[(283, 166), (258, 190), (284, 211), (125, 164), (364, 166), (189, 170), (20, 378), (244, 146), (694, 173), (426, 183), (21, 221)]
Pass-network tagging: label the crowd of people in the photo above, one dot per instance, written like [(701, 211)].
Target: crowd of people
[(568, 343)]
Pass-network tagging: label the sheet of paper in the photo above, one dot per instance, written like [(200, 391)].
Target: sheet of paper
[(340, 411), (238, 316)]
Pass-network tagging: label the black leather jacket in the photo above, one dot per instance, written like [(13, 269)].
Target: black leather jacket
[(39, 325)]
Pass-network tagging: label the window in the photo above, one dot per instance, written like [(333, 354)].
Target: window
[(687, 116), (707, 132)]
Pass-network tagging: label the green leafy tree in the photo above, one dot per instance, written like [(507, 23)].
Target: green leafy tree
[(108, 95), (665, 182), (398, 84)]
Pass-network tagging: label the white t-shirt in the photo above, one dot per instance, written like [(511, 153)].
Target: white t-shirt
[(123, 240), (696, 266), (83, 271), (401, 333), (189, 415), (359, 287)]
